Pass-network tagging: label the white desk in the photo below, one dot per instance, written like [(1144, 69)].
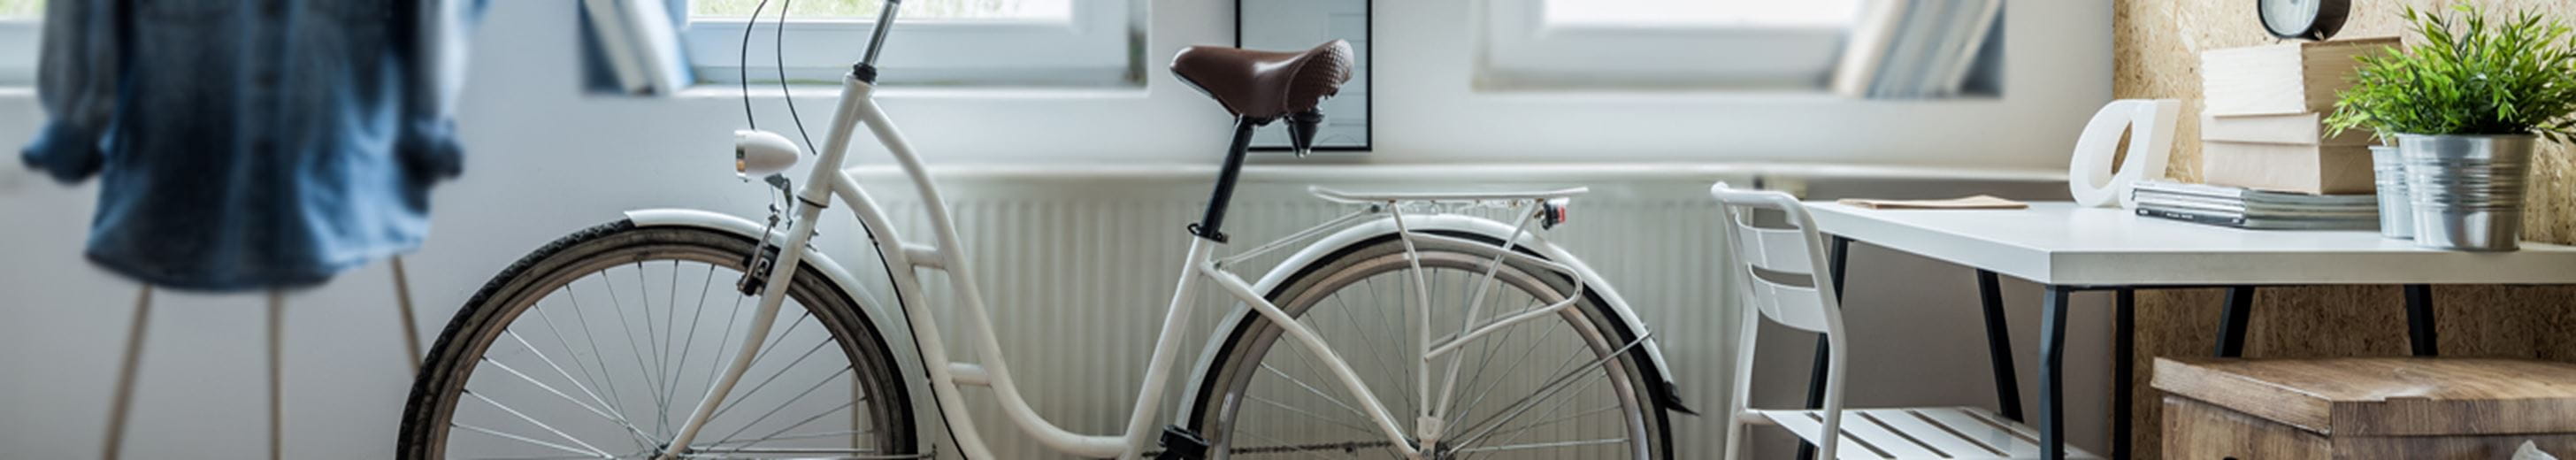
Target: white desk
[(2060, 244), (2067, 249)]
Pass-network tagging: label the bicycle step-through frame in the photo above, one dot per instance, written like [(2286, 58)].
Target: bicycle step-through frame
[(826, 184)]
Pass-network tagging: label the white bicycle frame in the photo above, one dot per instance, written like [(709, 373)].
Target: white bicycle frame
[(825, 182)]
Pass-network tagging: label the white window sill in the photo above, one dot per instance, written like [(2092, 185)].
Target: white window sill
[(769, 91), (1710, 96), (1327, 170)]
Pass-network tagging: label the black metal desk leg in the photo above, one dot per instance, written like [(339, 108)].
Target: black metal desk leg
[(1839, 249), (1999, 346), (2419, 320), (2231, 327), (2052, 381), (2123, 368)]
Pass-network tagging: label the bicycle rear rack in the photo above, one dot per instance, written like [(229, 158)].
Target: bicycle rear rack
[(1503, 198)]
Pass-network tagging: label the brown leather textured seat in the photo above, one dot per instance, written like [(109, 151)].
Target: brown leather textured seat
[(1265, 85)]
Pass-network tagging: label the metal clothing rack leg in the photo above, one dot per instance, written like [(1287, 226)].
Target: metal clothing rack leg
[(122, 402), (276, 374), (410, 326), (124, 396)]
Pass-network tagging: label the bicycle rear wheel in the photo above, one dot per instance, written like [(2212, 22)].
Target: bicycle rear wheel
[(1564, 385), (600, 344)]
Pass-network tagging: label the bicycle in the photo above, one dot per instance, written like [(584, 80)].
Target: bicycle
[(1602, 369)]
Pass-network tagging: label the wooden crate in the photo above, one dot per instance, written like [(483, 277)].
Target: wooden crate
[(2320, 169), (2297, 128), (2365, 408), (2285, 78)]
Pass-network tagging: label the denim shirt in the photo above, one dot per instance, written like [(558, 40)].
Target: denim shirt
[(254, 144)]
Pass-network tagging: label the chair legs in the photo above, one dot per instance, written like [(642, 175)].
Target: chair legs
[(1837, 251), (1735, 436), (123, 401)]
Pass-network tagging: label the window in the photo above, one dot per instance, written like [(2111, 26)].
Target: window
[(949, 42), (18, 40), (867, 9), (1664, 43), (1702, 13)]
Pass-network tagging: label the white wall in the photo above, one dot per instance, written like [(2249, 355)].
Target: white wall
[(545, 160), (523, 100), (2057, 71)]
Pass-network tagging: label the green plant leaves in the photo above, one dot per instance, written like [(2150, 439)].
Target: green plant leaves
[(2470, 74)]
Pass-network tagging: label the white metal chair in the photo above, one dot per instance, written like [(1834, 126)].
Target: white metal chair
[(1779, 267)]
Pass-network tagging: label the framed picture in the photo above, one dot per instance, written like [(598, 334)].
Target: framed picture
[(1290, 25)]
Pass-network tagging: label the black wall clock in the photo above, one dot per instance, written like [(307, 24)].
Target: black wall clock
[(2303, 19)]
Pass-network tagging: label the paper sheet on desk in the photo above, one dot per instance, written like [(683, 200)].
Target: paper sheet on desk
[(1973, 202)]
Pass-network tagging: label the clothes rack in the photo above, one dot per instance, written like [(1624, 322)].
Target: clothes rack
[(122, 405)]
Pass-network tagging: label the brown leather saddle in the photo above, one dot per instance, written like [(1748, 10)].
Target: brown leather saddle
[(1266, 85)]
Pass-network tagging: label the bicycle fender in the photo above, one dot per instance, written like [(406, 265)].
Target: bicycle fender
[(674, 217)]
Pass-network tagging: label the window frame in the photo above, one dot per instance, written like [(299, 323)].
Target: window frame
[(1096, 46), (1522, 50)]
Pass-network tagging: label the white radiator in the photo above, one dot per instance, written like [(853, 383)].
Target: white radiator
[(1078, 267)]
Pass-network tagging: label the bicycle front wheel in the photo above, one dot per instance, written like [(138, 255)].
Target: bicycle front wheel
[(1566, 384), (601, 344)]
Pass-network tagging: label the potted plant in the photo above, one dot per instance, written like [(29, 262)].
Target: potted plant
[(2466, 103)]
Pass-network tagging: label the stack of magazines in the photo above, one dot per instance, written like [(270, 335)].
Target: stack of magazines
[(2256, 209)]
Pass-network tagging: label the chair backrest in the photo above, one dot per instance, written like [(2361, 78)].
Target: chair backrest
[(1780, 265)]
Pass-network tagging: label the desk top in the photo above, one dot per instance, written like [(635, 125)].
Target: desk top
[(2059, 243)]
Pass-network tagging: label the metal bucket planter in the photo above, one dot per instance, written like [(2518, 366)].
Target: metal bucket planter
[(2467, 189), (2396, 210)]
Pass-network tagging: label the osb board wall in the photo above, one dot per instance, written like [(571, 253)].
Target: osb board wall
[(2157, 51)]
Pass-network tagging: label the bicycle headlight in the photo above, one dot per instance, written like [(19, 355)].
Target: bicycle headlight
[(762, 153)]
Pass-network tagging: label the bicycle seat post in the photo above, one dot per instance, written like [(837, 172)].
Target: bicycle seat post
[(1211, 225)]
